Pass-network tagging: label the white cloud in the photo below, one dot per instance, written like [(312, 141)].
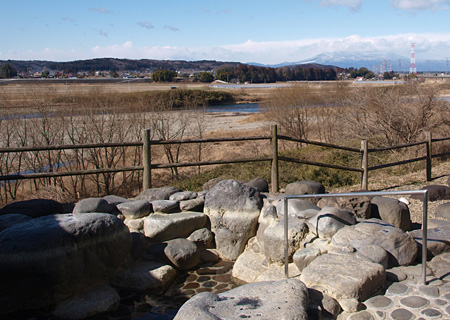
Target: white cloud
[(415, 5), (145, 24), (427, 46), (171, 28), (100, 10), (351, 4)]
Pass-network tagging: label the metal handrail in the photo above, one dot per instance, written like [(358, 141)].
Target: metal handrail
[(424, 193)]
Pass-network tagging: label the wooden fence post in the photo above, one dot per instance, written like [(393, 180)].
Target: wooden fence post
[(429, 154), (146, 161), (365, 165), (274, 171)]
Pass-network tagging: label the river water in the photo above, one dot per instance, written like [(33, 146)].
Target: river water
[(239, 108)]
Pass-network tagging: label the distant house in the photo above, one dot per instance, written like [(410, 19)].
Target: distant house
[(359, 79)]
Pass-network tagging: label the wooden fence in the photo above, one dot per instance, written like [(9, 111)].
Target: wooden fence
[(274, 158)]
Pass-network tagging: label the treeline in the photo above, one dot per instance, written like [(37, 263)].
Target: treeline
[(255, 74)]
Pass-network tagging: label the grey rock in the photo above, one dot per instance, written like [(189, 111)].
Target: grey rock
[(397, 289), (8, 220), (329, 220), (162, 227), (374, 254), (437, 240), (344, 276), (402, 314), (350, 305), (402, 247), (359, 206), (145, 276), (165, 206), (304, 187), (274, 241), (135, 224), (33, 208), (443, 211), (135, 209), (249, 266), (414, 302), (203, 238), (152, 194), (285, 299), (435, 193), (259, 183), (233, 210), (182, 253), (211, 183), (379, 302), (395, 275), (209, 256), (95, 301), (196, 204), (48, 259), (89, 205), (298, 208), (392, 211), (302, 258), (183, 195), (112, 199)]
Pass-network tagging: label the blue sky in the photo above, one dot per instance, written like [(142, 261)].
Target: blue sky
[(260, 31)]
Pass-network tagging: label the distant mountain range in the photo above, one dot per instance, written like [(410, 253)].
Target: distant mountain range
[(393, 62)]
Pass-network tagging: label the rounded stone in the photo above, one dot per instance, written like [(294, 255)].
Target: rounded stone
[(440, 302), (222, 286), (398, 289), (191, 277), (447, 310), (402, 314), (447, 296), (204, 290), (379, 302), (432, 292), (192, 285), (414, 302), (222, 278), (203, 278), (431, 313), (361, 315), (395, 275), (209, 284)]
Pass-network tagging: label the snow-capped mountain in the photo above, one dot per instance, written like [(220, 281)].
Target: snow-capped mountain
[(387, 62)]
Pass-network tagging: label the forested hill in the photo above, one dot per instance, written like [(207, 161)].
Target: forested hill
[(108, 64)]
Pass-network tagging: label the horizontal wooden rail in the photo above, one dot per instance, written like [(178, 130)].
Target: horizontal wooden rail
[(72, 146), (440, 139), (39, 175), (209, 140), (397, 147), (440, 155), (393, 164), (322, 144), (332, 166), (206, 163)]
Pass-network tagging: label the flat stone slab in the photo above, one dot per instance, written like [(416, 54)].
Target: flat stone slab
[(402, 247), (437, 239), (344, 276), (285, 299), (162, 227)]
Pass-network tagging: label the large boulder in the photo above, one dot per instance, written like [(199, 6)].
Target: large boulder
[(249, 266), (183, 195), (435, 192), (305, 187), (443, 211), (182, 253), (259, 183), (34, 208), (274, 239), (162, 227), (145, 276), (135, 209), (359, 206), (402, 247), (233, 209), (8, 220), (165, 206), (48, 259), (196, 204), (392, 211), (94, 301), (438, 240), (298, 208), (89, 205), (284, 299), (344, 276), (329, 220), (152, 194)]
